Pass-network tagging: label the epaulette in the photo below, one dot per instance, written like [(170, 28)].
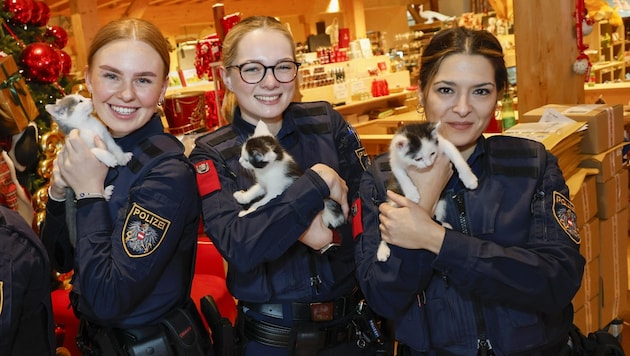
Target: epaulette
[(515, 159)]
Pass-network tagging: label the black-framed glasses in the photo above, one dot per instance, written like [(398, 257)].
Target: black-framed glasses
[(254, 72)]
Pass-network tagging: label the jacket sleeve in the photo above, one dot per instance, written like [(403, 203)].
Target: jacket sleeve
[(115, 275), (54, 234), (390, 287), (549, 267)]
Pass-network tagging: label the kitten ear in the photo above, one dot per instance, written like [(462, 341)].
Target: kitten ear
[(399, 143), (261, 129)]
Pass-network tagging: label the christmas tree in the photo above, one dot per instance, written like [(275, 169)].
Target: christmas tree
[(34, 71)]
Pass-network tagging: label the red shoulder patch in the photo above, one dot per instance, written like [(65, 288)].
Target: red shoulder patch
[(207, 177), (357, 218)]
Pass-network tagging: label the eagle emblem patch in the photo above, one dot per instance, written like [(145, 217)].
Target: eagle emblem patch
[(564, 212), (143, 231)]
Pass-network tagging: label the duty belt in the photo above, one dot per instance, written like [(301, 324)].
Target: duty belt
[(316, 311), (280, 336)]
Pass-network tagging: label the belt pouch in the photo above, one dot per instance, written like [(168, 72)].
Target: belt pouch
[(306, 340), (184, 333), (156, 345)]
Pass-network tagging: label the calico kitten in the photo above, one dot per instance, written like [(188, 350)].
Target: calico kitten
[(418, 145), (275, 170), (75, 112)]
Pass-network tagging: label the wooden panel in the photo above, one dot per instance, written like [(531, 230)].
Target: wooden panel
[(546, 49)]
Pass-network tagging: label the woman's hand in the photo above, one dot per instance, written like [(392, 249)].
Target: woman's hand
[(336, 185), (78, 167), (318, 235), (409, 225), (431, 181)]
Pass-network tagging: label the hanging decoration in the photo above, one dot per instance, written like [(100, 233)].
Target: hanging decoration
[(583, 26)]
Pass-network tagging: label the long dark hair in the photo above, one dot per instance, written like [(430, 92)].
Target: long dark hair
[(461, 40)]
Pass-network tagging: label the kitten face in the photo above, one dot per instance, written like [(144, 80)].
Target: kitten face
[(70, 111), (260, 151), (416, 144)]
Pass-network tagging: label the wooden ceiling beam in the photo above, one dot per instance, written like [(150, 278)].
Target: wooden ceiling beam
[(136, 9)]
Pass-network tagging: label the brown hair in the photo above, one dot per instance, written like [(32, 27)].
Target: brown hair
[(230, 50), (461, 40), (132, 29)]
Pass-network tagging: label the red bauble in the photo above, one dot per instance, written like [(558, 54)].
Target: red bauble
[(66, 62), (59, 34), (22, 10), (41, 62), (44, 13)]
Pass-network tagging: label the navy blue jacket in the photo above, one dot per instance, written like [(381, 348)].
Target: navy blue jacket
[(26, 319), (514, 248), (266, 261), (134, 255)]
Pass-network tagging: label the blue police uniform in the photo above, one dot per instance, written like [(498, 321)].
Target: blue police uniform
[(511, 285), (26, 320), (274, 277), (134, 254)]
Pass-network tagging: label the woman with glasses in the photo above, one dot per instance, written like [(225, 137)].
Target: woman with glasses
[(296, 294)]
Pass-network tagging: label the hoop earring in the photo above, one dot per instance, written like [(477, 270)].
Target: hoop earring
[(420, 110)]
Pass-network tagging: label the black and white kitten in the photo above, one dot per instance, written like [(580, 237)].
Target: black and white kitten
[(275, 170), (75, 112), (418, 145)]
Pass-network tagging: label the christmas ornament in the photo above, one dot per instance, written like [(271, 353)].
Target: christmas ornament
[(59, 35), (582, 64), (41, 62), (44, 14), (35, 15), (22, 10), (66, 62)]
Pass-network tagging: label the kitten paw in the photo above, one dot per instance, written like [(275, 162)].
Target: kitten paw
[(470, 181), (240, 197), (107, 192), (125, 158), (383, 252)]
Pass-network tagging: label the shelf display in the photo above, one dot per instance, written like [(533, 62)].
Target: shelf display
[(608, 51)]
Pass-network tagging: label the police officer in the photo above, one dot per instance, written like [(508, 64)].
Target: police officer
[(134, 253), (26, 320), (501, 281), (297, 294)]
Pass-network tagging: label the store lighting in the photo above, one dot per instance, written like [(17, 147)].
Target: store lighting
[(333, 6)]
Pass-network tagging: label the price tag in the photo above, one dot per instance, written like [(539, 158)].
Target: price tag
[(340, 91), (357, 87)]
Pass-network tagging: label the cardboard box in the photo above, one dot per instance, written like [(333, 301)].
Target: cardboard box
[(585, 197), (612, 195), (590, 239), (613, 266), (605, 123), (17, 107), (608, 163), (587, 317)]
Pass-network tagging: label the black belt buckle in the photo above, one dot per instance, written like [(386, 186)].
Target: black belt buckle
[(322, 311)]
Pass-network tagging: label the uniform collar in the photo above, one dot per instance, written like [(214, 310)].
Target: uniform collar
[(153, 127), (287, 134)]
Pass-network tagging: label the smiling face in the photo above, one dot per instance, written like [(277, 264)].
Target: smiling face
[(462, 96), (126, 79), (267, 99)]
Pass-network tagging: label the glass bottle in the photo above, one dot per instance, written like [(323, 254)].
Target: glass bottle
[(508, 118)]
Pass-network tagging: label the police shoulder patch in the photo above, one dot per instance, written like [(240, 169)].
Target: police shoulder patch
[(143, 231), (564, 213)]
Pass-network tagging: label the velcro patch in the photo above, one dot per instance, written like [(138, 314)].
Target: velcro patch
[(357, 218), (207, 177), (143, 231), (564, 212)]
